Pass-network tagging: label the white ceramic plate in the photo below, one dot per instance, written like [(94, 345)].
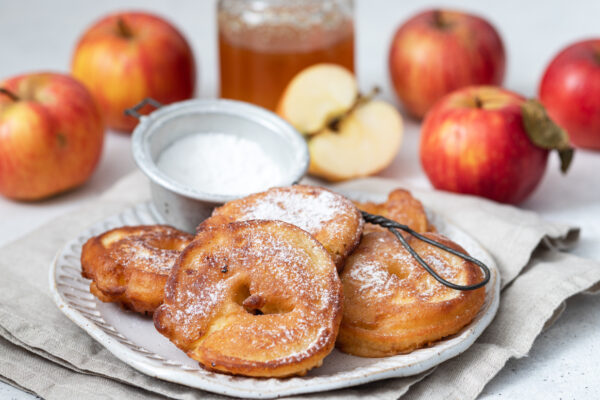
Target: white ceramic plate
[(151, 353)]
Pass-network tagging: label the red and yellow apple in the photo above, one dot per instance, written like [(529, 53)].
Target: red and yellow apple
[(348, 135), (51, 135), (489, 142), (438, 51), (570, 91), (126, 57)]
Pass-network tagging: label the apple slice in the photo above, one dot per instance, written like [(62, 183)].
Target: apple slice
[(365, 142), (348, 135), (316, 96)]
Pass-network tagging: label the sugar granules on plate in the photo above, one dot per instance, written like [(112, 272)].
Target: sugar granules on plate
[(220, 163)]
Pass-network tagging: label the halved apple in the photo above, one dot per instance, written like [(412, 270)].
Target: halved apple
[(316, 96), (348, 135), (366, 142)]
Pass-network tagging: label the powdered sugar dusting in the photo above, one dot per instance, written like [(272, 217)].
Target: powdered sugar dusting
[(373, 276), (141, 257), (429, 288), (279, 271), (197, 303), (382, 268), (146, 248), (307, 211)]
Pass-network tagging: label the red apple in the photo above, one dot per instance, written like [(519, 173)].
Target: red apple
[(51, 135), (480, 140), (126, 57), (438, 51), (570, 91)]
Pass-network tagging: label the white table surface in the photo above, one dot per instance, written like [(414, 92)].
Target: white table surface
[(41, 35)]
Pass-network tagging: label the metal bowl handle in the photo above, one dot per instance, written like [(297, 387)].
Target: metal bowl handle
[(134, 111)]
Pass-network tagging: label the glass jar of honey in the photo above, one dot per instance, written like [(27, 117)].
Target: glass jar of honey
[(263, 44)]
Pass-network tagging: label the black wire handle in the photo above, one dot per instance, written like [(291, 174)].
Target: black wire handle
[(393, 227), (134, 111)]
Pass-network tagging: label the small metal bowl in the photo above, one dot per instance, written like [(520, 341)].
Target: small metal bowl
[(185, 207)]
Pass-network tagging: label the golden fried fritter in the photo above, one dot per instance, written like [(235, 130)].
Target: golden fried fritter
[(255, 298), (130, 265), (330, 217), (401, 207), (392, 305)]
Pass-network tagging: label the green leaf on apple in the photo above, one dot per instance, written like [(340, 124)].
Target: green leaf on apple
[(545, 133)]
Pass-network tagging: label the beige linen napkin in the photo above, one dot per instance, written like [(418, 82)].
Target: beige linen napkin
[(42, 352)]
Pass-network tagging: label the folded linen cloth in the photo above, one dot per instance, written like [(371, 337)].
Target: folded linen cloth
[(44, 353)]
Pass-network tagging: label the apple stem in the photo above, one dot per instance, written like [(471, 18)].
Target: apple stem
[(440, 21), (367, 97), (478, 102), (10, 94), (124, 29)]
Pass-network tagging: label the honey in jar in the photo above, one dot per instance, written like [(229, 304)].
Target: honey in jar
[(263, 44)]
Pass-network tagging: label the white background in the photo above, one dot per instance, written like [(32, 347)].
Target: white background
[(41, 35)]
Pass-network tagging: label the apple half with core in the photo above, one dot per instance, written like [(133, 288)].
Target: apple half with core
[(489, 142), (438, 51), (570, 91), (349, 135), (126, 57), (51, 135)]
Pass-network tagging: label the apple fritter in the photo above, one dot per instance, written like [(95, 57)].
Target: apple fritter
[(130, 265), (255, 298), (330, 217), (392, 305)]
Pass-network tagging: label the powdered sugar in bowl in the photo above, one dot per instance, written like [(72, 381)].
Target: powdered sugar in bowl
[(199, 154)]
